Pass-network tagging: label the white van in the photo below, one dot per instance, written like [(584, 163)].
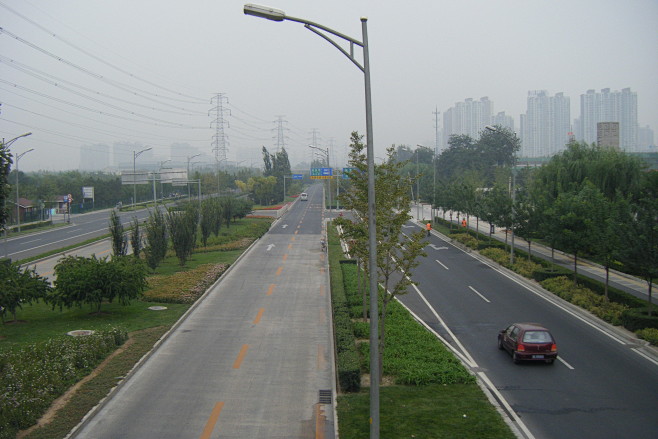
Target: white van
[(303, 196)]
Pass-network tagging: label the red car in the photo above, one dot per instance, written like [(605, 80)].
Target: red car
[(528, 341)]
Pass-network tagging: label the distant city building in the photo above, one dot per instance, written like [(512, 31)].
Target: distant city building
[(645, 139), (94, 157), (607, 134), (468, 117), (607, 106), (546, 125), (501, 119)]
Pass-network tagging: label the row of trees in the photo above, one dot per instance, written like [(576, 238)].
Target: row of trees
[(587, 201)]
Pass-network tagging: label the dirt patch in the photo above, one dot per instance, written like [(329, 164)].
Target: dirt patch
[(386, 380), (66, 397)]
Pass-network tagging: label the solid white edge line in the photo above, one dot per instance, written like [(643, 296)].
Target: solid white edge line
[(508, 408), (565, 363), (478, 293), (439, 262), (645, 356), (471, 362)]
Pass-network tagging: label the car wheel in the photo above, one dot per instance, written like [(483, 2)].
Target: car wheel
[(515, 358), (500, 344)]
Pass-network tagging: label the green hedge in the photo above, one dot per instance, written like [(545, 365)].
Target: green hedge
[(33, 377), (649, 334), (638, 318)]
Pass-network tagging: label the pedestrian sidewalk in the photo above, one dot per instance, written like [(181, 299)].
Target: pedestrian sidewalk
[(625, 282)]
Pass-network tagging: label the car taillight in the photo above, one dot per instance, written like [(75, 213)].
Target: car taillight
[(520, 347), (553, 347)]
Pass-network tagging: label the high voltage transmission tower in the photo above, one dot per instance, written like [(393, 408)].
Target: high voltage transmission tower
[(219, 139), (280, 137)]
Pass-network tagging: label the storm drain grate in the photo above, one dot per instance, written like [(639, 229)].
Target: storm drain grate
[(325, 396)]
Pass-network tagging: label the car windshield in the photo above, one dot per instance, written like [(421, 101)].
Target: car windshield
[(537, 337)]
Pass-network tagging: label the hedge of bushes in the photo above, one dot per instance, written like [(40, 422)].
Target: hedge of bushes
[(33, 377)]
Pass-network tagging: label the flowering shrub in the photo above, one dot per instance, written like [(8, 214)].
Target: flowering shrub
[(183, 287), (33, 377)]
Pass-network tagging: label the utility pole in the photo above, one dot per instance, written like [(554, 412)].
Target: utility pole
[(434, 159), (219, 139)]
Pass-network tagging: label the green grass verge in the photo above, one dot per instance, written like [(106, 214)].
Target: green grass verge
[(428, 412)]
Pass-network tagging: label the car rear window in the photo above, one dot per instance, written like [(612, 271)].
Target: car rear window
[(537, 337)]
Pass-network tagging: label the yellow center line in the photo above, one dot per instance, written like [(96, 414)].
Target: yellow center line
[(292, 239), (296, 231), (321, 360), (321, 269), (279, 270), (289, 246), (258, 317), (320, 419), (285, 256), (270, 290), (212, 420), (322, 290), (243, 352)]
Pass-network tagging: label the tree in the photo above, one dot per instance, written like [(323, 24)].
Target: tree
[(394, 255), (119, 242), (210, 218), (19, 286), (640, 249), (92, 281), (156, 239), (182, 226), (229, 206), (5, 165), (136, 238)]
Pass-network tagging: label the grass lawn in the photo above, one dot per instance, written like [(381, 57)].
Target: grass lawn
[(428, 412)]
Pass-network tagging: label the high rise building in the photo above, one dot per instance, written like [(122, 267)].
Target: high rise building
[(609, 106), (645, 140), (468, 117), (501, 119), (546, 125), (94, 157)]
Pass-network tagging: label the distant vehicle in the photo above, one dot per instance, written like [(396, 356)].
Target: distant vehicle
[(303, 196), (528, 341)]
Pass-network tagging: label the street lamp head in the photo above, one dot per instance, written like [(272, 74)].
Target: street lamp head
[(264, 12)]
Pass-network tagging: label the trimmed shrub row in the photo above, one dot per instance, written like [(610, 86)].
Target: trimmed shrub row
[(347, 357), (33, 377)]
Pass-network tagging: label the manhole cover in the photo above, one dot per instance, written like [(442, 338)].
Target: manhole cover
[(157, 308), (80, 332)]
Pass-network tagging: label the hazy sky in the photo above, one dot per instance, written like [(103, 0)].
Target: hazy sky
[(145, 70)]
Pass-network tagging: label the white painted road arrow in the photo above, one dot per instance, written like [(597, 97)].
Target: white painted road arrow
[(438, 248), (269, 247)]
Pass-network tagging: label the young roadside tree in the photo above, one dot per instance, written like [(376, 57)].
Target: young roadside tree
[(208, 218), (94, 281), (394, 253), (119, 242), (527, 218), (136, 238), (640, 250), (182, 226), (156, 239), (574, 213), (229, 206), (19, 286)]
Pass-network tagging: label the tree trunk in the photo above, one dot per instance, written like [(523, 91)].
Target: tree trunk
[(575, 268)]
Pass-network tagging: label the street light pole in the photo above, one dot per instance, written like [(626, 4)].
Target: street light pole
[(188, 173), (512, 186), (135, 155), (18, 205), (278, 15), (6, 145)]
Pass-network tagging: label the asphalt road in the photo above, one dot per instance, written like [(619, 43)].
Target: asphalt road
[(81, 228), (250, 358), (602, 385)]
